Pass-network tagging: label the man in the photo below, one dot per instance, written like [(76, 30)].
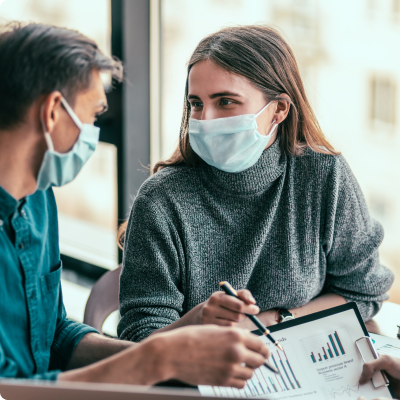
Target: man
[(50, 93)]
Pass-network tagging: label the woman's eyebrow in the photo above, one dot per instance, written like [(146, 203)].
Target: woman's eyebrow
[(215, 95), (221, 94)]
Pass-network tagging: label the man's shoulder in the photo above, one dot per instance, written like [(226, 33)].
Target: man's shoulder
[(42, 204)]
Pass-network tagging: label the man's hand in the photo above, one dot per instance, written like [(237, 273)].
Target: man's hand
[(224, 310), (212, 355), (199, 355), (391, 365)]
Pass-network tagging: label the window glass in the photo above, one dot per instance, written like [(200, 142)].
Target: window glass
[(88, 205), (351, 73)]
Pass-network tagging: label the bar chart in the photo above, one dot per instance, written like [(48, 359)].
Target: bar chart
[(325, 347), (264, 382)]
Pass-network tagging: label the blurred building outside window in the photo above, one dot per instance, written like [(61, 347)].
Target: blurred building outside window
[(383, 103)]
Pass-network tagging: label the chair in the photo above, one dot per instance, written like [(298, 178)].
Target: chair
[(103, 299)]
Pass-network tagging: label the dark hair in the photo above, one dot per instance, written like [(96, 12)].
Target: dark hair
[(38, 59)]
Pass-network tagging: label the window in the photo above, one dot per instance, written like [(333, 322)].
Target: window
[(88, 211)]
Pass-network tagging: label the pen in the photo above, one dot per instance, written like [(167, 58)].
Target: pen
[(229, 290)]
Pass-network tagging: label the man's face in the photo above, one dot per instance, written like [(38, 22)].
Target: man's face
[(88, 105)]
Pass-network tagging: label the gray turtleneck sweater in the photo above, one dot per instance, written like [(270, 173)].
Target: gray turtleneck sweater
[(287, 229)]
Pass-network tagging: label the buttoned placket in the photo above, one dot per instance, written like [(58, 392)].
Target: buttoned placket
[(20, 224)]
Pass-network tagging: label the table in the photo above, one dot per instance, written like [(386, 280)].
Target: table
[(386, 321)]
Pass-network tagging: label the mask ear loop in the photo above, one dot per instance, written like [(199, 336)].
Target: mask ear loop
[(47, 135), (259, 113), (272, 130), (71, 113)]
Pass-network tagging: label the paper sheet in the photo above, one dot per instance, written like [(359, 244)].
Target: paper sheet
[(320, 361), (386, 345)]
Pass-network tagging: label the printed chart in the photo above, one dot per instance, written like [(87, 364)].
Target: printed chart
[(327, 346), (345, 391), (265, 382)]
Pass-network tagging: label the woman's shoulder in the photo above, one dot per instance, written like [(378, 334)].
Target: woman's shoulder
[(321, 160), (169, 179)]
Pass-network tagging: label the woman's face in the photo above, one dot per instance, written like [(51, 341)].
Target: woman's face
[(217, 93)]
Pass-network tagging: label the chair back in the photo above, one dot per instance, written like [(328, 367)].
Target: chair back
[(103, 299)]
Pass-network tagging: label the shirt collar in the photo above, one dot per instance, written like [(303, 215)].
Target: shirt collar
[(8, 204)]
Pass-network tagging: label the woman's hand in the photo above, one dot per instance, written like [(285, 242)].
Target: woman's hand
[(391, 365), (224, 310)]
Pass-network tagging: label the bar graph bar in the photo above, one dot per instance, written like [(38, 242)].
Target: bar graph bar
[(329, 350), (339, 343), (333, 345), (338, 349)]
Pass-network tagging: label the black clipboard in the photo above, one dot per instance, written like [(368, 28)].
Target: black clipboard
[(327, 313)]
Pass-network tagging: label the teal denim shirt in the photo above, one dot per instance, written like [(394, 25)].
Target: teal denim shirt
[(36, 337)]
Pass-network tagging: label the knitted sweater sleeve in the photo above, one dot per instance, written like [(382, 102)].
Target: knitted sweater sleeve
[(351, 246), (150, 297)]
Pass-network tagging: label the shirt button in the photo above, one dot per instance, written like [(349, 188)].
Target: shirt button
[(21, 245), (23, 213), (1, 223)]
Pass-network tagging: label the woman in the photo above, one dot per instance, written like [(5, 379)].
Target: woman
[(255, 195)]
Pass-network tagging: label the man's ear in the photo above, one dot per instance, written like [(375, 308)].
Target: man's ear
[(282, 108), (50, 111)]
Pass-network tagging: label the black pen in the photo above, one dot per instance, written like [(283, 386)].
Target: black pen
[(229, 290)]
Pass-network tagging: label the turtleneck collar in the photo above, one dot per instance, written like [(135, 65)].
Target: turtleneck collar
[(257, 178)]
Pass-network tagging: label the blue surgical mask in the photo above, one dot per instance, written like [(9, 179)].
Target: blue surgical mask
[(58, 169), (230, 144)]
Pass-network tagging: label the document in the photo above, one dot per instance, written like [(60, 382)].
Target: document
[(320, 360), (386, 345)]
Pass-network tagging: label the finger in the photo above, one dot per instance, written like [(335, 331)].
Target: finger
[(234, 304), (246, 296), (370, 368), (236, 383), (255, 344), (222, 322), (224, 313), (242, 372), (252, 359)]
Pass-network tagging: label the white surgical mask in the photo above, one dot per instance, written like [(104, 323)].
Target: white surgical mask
[(230, 144), (58, 169)]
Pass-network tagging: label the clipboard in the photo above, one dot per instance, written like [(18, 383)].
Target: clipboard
[(364, 343), (322, 357)]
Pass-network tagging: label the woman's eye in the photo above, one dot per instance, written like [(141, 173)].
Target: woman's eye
[(197, 104), (225, 102)]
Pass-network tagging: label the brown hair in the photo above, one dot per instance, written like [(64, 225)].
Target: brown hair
[(260, 54)]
